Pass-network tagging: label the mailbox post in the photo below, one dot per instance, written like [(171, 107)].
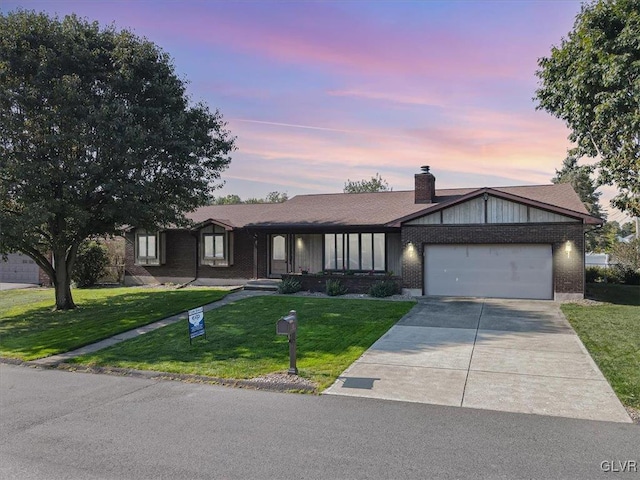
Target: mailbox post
[(288, 325)]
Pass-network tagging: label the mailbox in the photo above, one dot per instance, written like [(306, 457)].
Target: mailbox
[(287, 324)]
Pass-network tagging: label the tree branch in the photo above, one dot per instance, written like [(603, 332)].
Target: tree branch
[(593, 142), (39, 258)]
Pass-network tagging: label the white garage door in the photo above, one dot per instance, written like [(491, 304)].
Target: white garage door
[(501, 271), (18, 269)]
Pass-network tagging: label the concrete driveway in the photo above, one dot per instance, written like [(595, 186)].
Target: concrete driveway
[(508, 355)]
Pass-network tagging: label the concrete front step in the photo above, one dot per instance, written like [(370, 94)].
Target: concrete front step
[(270, 285)]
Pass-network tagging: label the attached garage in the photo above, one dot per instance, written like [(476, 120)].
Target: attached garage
[(19, 268), (489, 270)]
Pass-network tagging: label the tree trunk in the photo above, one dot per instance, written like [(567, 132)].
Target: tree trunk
[(62, 281)]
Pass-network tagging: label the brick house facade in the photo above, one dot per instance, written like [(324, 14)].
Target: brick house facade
[(182, 265), (568, 271), (501, 229)]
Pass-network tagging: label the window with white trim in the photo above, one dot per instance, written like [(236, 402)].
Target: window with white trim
[(355, 252), (214, 246), (147, 248)]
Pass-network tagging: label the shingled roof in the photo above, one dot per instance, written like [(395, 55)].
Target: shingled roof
[(380, 209)]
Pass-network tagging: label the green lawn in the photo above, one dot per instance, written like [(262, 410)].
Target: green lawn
[(611, 333), (29, 329), (242, 343)]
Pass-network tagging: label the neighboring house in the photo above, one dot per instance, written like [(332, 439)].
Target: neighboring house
[(19, 268), (627, 239), (596, 260), (511, 242)]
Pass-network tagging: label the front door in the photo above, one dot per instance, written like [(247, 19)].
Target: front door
[(279, 255)]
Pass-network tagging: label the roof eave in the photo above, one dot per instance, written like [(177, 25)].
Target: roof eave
[(317, 226)]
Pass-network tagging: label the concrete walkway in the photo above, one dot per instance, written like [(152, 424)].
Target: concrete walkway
[(121, 337), (16, 286), (508, 355)]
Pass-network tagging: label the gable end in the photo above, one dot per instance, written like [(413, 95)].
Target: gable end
[(492, 210)]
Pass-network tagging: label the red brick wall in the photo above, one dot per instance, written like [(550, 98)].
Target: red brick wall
[(425, 187), (568, 270), (243, 265), (354, 283), (263, 255), (180, 258)]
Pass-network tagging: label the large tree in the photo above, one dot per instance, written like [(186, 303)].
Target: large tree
[(592, 82), (96, 132), (233, 199), (376, 184), (579, 176)]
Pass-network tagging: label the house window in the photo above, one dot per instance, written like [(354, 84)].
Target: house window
[(213, 246), (334, 251), (355, 251), (278, 248), (216, 246), (147, 248)]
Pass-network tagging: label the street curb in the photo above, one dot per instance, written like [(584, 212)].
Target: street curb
[(283, 387)]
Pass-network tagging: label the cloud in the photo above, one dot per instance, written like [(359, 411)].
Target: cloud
[(517, 149), (318, 92), (290, 125), (416, 39), (391, 97)]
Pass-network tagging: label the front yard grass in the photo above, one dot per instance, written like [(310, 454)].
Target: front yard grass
[(29, 329), (242, 343), (611, 333)]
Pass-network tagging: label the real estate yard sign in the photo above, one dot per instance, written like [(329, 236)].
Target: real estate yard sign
[(196, 323)]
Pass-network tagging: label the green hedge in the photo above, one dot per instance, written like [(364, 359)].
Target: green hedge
[(614, 274)]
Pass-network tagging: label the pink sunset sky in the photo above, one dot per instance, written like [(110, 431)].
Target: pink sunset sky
[(321, 92)]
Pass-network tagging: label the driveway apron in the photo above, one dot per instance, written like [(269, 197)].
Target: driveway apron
[(508, 355)]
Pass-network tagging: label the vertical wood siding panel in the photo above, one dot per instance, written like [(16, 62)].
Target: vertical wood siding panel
[(308, 252), (394, 253), (465, 213), (498, 211), (504, 211), (542, 216)]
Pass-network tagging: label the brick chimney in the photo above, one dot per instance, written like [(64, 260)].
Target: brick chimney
[(425, 186)]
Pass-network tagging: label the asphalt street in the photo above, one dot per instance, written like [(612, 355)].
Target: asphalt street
[(65, 425)]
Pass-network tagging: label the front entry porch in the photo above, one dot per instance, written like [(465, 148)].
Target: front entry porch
[(280, 255), (294, 253)]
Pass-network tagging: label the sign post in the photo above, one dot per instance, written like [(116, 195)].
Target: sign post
[(196, 323)]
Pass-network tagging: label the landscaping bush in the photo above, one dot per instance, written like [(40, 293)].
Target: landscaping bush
[(627, 255), (595, 274), (616, 274), (335, 287), (603, 275), (90, 264), (630, 276), (627, 259), (383, 288), (289, 285)]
